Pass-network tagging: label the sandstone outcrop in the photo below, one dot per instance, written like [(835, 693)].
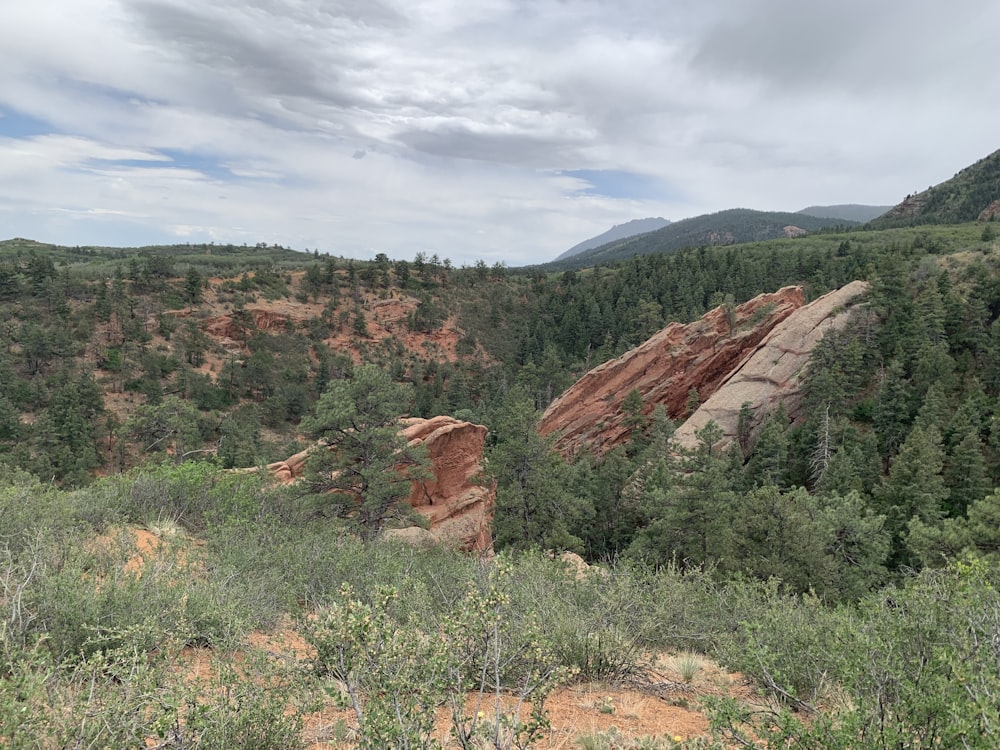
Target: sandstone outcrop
[(771, 373), (458, 508), (226, 327), (664, 369)]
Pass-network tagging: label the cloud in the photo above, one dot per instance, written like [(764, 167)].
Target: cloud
[(495, 129)]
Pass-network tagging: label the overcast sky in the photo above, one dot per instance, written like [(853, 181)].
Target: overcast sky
[(501, 130)]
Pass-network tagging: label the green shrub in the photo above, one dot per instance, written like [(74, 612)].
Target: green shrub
[(392, 674), (88, 597), (786, 643)]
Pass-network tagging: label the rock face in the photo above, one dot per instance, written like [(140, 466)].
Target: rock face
[(991, 212), (664, 369), (459, 510), (227, 328), (772, 371)]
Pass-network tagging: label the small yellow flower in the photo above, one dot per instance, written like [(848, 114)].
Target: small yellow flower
[(678, 738)]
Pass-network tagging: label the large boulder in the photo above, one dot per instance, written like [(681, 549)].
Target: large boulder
[(458, 507), (681, 357), (772, 371)]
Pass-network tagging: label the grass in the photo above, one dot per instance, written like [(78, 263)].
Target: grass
[(688, 665)]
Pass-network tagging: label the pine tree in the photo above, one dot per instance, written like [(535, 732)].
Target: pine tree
[(768, 460), (690, 509), (965, 474), (192, 286), (536, 506), (915, 487), (364, 468)]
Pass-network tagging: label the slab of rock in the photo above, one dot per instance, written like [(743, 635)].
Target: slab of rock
[(664, 369), (458, 507), (771, 372)]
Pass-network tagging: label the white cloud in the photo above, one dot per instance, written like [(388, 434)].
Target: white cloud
[(247, 120)]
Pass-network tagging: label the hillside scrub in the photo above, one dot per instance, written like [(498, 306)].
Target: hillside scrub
[(79, 610)]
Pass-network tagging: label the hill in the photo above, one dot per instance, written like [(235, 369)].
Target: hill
[(846, 212), (617, 232), (723, 228), (972, 194)]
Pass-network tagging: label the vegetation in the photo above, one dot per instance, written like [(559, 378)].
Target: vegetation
[(962, 198), (847, 562), (397, 631), (363, 467)]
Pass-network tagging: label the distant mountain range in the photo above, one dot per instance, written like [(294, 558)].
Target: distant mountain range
[(972, 194), (722, 228), (846, 212), (617, 232)]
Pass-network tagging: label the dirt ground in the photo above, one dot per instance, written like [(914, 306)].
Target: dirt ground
[(663, 701)]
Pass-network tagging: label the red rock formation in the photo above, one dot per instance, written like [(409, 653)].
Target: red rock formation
[(460, 510), (771, 372), (664, 369), (224, 327)]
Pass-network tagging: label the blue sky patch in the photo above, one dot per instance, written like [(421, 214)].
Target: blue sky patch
[(175, 159), (16, 125), (616, 183)]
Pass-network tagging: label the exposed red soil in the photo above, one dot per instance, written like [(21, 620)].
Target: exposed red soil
[(659, 702)]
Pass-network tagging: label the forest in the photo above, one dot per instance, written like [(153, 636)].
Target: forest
[(845, 562)]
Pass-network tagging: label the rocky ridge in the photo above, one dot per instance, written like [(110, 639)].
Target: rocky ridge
[(664, 369), (772, 372), (754, 353)]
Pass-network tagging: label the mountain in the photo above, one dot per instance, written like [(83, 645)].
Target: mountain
[(723, 228), (617, 232), (973, 193), (846, 212)]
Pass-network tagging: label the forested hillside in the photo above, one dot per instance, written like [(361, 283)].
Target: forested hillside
[(161, 356), (971, 194)]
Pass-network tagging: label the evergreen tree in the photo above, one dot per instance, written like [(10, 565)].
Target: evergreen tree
[(364, 468), (892, 410), (965, 474), (169, 426), (689, 511), (914, 488), (192, 286), (768, 460), (617, 513), (536, 505)]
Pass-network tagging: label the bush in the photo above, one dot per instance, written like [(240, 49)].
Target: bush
[(88, 597), (392, 676)]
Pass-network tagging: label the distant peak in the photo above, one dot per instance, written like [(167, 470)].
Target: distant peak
[(617, 232)]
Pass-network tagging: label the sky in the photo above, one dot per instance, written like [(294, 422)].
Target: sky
[(494, 130)]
